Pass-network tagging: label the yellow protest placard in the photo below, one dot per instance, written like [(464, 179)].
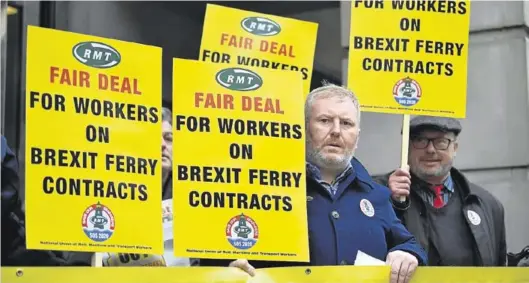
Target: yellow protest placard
[(410, 57), (237, 37), (239, 163), (93, 124)]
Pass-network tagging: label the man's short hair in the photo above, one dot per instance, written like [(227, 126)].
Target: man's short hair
[(167, 115), (328, 90)]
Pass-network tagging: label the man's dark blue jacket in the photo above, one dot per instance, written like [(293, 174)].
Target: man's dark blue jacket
[(338, 228)]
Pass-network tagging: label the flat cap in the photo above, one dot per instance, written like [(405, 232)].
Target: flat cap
[(444, 124)]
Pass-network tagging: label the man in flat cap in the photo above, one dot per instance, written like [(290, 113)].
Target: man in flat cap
[(457, 222)]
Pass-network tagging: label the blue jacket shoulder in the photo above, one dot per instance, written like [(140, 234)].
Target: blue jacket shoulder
[(364, 177)]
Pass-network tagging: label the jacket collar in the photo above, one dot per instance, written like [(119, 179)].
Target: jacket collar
[(4, 148), (358, 173), (467, 191), (167, 187), (314, 172), (367, 183)]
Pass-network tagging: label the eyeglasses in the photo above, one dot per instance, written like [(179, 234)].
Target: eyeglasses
[(438, 143)]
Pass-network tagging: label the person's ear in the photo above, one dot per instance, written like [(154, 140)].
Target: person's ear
[(456, 145)]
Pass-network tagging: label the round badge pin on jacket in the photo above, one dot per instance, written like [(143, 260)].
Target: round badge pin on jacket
[(367, 208)]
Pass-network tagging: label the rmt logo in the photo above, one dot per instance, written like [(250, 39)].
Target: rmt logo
[(239, 79), (96, 54), (260, 26)]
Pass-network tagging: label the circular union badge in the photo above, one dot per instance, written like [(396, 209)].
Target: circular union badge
[(473, 217), (98, 222), (407, 92), (367, 208), (242, 232)]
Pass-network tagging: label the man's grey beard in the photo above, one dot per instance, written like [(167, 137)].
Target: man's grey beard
[(315, 157), (423, 174)]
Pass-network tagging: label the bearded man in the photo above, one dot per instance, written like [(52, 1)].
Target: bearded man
[(348, 211), (456, 221)]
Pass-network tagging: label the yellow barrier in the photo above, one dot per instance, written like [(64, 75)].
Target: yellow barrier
[(334, 274)]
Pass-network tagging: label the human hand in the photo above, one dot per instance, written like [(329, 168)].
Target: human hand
[(399, 183), (244, 265), (403, 266)]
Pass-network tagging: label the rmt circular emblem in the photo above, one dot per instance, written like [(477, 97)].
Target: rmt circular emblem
[(98, 222), (407, 92), (242, 232)]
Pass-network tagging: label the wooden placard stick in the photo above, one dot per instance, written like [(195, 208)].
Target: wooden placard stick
[(97, 260), (405, 144)]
